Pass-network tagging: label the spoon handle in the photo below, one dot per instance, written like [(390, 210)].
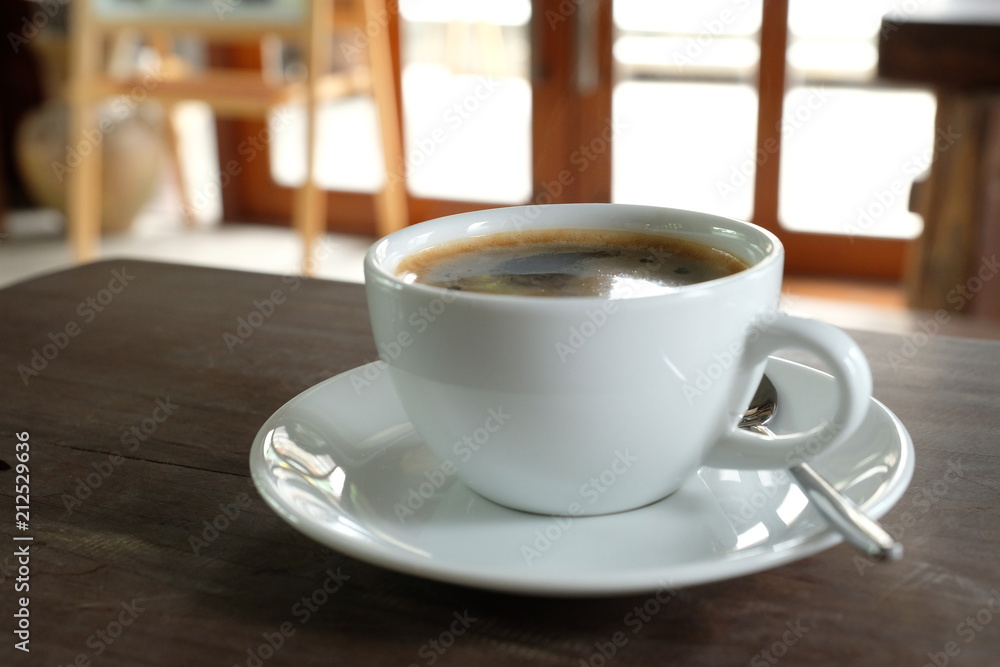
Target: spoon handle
[(860, 530), (857, 528)]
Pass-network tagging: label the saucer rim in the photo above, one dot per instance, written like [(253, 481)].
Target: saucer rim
[(622, 583)]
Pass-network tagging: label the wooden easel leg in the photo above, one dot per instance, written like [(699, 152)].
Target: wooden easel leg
[(82, 167), (173, 141), (310, 214), (310, 202), (391, 203), (83, 187)]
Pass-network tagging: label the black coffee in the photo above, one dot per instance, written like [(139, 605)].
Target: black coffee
[(569, 262)]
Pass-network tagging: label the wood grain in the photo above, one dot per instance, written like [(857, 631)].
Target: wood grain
[(129, 548), (953, 47)]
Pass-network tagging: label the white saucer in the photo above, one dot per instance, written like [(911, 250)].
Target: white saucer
[(341, 464)]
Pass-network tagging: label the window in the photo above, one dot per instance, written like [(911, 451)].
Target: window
[(760, 109)]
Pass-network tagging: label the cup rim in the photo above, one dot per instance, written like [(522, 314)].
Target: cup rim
[(773, 250)]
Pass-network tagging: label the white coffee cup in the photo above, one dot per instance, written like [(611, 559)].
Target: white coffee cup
[(592, 405)]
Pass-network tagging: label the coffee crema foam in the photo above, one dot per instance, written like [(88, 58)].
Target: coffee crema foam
[(569, 262)]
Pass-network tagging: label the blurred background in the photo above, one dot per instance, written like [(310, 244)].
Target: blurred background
[(864, 133)]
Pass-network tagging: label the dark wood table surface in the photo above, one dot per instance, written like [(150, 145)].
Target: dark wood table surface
[(139, 412), (953, 43)]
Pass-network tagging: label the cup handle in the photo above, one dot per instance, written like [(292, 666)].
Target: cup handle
[(743, 449)]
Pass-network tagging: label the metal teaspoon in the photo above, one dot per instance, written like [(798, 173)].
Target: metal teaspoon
[(860, 530)]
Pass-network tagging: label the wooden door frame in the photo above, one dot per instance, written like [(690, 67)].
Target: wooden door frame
[(805, 253), (572, 122), (572, 134), (572, 125)]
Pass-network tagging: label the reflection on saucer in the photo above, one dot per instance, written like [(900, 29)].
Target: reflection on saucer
[(757, 503)]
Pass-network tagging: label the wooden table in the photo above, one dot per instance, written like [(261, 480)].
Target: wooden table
[(150, 546), (954, 47)]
